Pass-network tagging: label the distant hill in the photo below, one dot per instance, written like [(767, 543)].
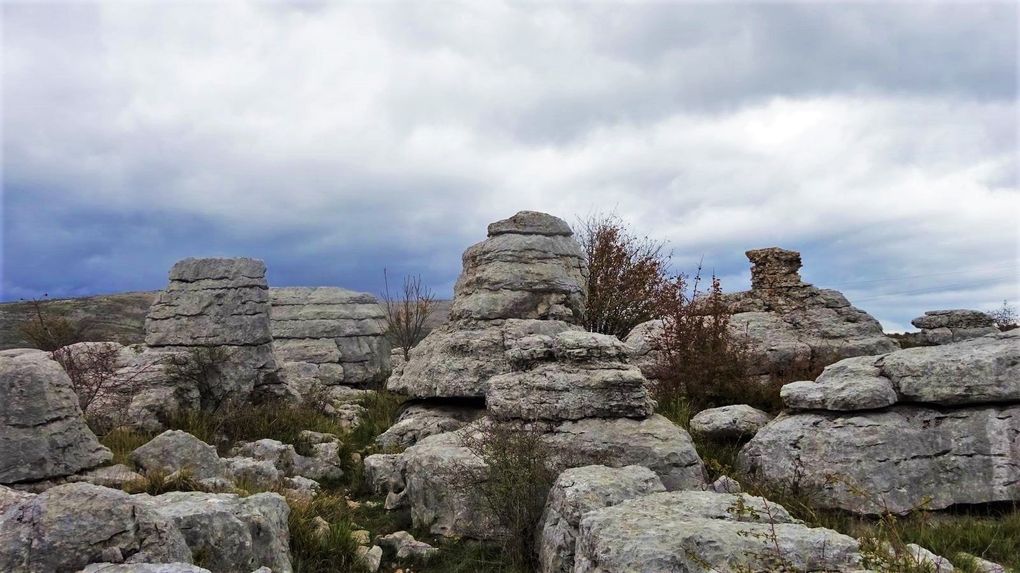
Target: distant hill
[(119, 317)]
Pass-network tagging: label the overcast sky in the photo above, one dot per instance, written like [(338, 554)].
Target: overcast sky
[(334, 140)]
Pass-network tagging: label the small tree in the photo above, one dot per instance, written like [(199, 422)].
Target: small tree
[(407, 316), (628, 275), (1005, 317), (47, 331)]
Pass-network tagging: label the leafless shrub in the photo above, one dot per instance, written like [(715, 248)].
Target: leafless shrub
[(520, 474), (627, 275), (201, 368), (407, 315), (49, 331), (1005, 317)]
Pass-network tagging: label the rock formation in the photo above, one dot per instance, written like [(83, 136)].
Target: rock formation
[(937, 426), (945, 326), (793, 326), (42, 432), (325, 337), (220, 304), (729, 422)]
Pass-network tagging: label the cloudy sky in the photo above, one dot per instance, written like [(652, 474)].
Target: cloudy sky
[(332, 140)]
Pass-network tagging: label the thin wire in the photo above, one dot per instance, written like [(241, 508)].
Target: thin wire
[(972, 270)]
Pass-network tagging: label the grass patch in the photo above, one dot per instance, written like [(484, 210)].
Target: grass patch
[(381, 411), (470, 557), (158, 482), (122, 442), (315, 549)]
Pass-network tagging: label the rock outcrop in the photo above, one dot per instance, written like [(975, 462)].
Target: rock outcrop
[(527, 278), (729, 422), (419, 421), (42, 432), (325, 336), (945, 326), (794, 327), (934, 426), (220, 305), (706, 531)]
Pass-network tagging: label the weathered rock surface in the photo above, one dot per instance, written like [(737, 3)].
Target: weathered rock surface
[(144, 568), (419, 421), (70, 526), (975, 371), (706, 531), (324, 463), (42, 432), (404, 546), (946, 326), (174, 451), (729, 422), (527, 278), (222, 304), (115, 476), (457, 359), (569, 376), (903, 456), (325, 336), (233, 534), (576, 492), (644, 347), (793, 327)]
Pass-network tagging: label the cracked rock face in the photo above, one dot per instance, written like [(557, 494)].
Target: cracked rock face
[(326, 336), (792, 326), (224, 304), (707, 531), (527, 278), (69, 526), (903, 456), (42, 432)]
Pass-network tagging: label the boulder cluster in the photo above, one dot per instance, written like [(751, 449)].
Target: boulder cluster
[(945, 326)]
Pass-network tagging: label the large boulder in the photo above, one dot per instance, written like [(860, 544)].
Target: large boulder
[(221, 306), (176, 451), (576, 492), (976, 371), (946, 326), (232, 534), (793, 327), (896, 459), (327, 336), (42, 432), (570, 376), (707, 531), (528, 277), (419, 421), (70, 526), (729, 422)]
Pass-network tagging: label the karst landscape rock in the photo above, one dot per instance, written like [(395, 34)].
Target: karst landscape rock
[(867, 429)]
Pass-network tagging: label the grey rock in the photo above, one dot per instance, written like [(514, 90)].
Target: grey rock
[(644, 348), (115, 476), (42, 432), (457, 360), (980, 565), (850, 384), (371, 557), (530, 223), (323, 464), (234, 534), (576, 492), (729, 422), (947, 326), (928, 561), (405, 546), (706, 531), (726, 484), (419, 421), (70, 526), (903, 457), (174, 451), (143, 568), (384, 473), (249, 471)]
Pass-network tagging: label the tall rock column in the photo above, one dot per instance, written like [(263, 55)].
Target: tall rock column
[(221, 307)]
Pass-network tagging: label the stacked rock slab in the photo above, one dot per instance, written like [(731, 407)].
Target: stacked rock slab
[(526, 278), (793, 326), (42, 432), (934, 426), (220, 304), (327, 336), (945, 326)]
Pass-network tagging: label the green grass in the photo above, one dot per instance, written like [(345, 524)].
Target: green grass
[(469, 557), (315, 552), (122, 442)]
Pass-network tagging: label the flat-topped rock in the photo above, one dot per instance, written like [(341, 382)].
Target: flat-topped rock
[(530, 223), (42, 432), (947, 326), (729, 422)]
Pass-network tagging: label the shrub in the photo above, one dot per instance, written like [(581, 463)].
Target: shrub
[(406, 317), (201, 368), (627, 275), (1005, 317), (316, 548), (49, 331)]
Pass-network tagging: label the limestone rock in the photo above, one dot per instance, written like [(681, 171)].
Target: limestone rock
[(115, 476), (725, 484), (70, 526), (457, 360), (576, 492), (980, 565), (405, 546), (531, 223), (42, 432), (419, 421), (729, 422), (234, 534), (644, 347), (371, 557), (569, 376), (706, 531), (144, 568), (903, 456), (946, 326), (174, 450), (850, 384), (325, 336)]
